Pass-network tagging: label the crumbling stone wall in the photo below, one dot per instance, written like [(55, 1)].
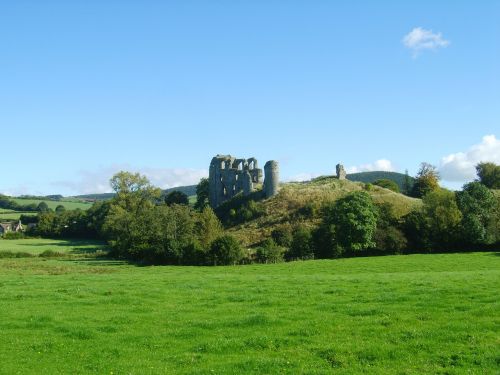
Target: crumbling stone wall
[(229, 176)]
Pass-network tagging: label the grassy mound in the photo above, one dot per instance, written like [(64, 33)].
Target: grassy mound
[(300, 203)]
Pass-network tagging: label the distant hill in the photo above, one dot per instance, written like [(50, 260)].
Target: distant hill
[(189, 190), (370, 177)]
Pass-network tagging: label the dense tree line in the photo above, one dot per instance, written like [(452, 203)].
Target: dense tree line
[(77, 223), (142, 224)]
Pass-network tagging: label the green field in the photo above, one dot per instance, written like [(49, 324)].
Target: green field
[(386, 315), (39, 245), (70, 204), (14, 215)]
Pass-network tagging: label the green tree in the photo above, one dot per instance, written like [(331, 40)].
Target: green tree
[(129, 216), (489, 175), (202, 193), (351, 223), (479, 210), (269, 252), (46, 226), (389, 238), (176, 197), (302, 244), (208, 227), (283, 235), (407, 184), (43, 207), (427, 180), (415, 227), (388, 184), (60, 209), (442, 217), (96, 217), (173, 232), (226, 250)]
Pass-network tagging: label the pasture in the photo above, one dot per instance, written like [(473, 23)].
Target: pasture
[(37, 246), (7, 215), (69, 204), (385, 315)]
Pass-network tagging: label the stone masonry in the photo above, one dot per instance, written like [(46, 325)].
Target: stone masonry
[(229, 176), (341, 173)]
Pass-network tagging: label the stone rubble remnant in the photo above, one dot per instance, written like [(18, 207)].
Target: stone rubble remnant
[(341, 173)]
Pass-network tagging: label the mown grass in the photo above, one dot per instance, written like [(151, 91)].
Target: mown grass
[(387, 315)]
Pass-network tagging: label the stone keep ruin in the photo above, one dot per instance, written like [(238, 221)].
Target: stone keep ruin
[(229, 176)]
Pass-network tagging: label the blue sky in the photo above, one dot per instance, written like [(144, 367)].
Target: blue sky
[(91, 87)]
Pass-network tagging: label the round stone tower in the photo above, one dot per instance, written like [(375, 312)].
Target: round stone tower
[(272, 178)]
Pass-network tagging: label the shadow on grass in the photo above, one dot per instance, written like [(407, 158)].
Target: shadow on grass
[(88, 250), (494, 254), (66, 242), (78, 246), (100, 261)]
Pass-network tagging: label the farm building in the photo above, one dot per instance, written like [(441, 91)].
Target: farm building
[(11, 227)]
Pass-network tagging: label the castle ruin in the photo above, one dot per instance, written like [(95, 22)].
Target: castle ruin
[(229, 176), (341, 173)]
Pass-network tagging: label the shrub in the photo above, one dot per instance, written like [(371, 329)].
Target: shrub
[(388, 237), (302, 244), (269, 252), (51, 254), (282, 236), (390, 240), (325, 245), (226, 250), (240, 208), (176, 197), (309, 210), (388, 184), (194, 255), (416, 229), (10, 254), (13, 235)]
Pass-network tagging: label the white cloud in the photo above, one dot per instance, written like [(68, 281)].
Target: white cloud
[(302, 177), (420, 39), (15, 191), (97, 181), (379, 165), (461, 166)]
